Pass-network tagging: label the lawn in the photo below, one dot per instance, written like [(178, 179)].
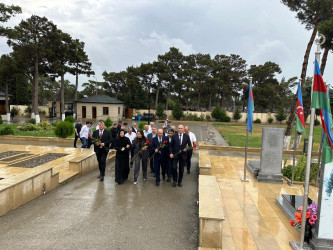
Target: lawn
[(235, 134)]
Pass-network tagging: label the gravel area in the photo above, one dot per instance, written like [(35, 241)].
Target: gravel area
[(10, 153), (15, 157), (31, 163)]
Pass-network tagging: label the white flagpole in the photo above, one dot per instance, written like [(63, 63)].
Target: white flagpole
[(308, 159), (246, 143)]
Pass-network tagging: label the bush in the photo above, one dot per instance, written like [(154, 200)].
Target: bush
[(237, 115), (257, 120), (32, 121), (108, 122), (29, 127), (142, 124), (193, 117), (220, 115), (69, 119), (177, 111), (299, 172), (216, 113), (45, 124), (160, 111), (41, 112), (281, 115), (7, 131), (14, 111), (208, 117), (28, 110), (316, 122), (64, 129), (270, 120), (1, 121)]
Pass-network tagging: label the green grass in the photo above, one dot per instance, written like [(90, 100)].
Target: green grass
[(235, 134)]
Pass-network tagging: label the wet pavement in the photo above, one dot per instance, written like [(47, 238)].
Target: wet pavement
[(89, 214)]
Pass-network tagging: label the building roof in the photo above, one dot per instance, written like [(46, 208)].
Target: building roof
[(2, 94), (100, 99)]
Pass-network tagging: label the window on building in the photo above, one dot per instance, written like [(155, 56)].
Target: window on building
[(118, 110), (105, 110)]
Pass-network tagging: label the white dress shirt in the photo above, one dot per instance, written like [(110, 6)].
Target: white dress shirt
[(192, 138), (84, 131), (131, 136)]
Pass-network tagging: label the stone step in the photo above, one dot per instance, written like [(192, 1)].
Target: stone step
[(67, 175)]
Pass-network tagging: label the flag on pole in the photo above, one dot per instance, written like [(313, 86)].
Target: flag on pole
[(320, 100), (300, 124), (250, 109)]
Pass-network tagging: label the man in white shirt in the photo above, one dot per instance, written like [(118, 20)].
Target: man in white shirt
[(131, 136), (190, 151), (84, 134), (150, 127), (145, 131)]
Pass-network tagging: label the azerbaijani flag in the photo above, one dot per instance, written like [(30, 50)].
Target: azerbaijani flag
[(320, 100), (250, 109), (300, 124)]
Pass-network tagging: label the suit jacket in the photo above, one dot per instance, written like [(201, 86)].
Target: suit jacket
[(155, 145), (106, 139), (175, 147), (150, 138), (135, 130)]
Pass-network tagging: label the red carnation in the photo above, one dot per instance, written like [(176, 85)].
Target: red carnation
[(165, 142), (148, 142), (292, 223)]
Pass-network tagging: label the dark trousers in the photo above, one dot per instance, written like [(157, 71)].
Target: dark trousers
[(113, 140), (132, 154), (101, 158), (137, 168), (168, 166), (157, 167), (178, 176), (152, 165), (75, 140), (188, 159), (89, 143)]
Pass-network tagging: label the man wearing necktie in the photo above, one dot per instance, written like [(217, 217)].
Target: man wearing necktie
[(179, 141), (167, 161), (102, 148), (159, 156)]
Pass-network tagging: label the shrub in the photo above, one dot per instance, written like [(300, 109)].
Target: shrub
[(41, 112), (64, 129), (237, 115), (280, 115), (208, 117), (14, 111), (108, 122), (316, 122), (45, 124), (193, 117), (69, 119), (270, 120), (1, 121), (177, 111), (257, 120), (226, 119), (28, 110), (32, 121), (216, 113), (7, 130), (160, 111), (299, 172), (142, 124), (220, 115), (29, 127)]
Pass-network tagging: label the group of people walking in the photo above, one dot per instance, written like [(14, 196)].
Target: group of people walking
[(167, 150)]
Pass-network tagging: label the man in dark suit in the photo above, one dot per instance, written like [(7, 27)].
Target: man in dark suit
[(150, 137), (134, 128), (102, 148), (167, 161), (159, 157), (178, 143)]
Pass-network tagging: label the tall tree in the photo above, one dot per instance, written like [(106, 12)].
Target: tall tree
[(114, 82), (310, 13), (326, 28), (30, 40)]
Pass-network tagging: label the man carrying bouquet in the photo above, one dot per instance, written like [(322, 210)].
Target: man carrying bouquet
[(158, 144), (180, 142), (102, 139)]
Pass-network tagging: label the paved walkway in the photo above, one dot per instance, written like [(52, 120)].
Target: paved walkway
[(88, 214)]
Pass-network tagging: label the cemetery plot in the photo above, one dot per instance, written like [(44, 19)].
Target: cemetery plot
[(34, 162), (10, 153)]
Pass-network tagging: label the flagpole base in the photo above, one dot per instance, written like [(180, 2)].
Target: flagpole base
[(291, 183), (244, 180)]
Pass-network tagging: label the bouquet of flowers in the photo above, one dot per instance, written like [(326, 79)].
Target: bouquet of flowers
[(162, 144), (145, 144), (97, 141), (187, 148), (311, 215)]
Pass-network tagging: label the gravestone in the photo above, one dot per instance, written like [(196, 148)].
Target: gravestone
[(271, 155)]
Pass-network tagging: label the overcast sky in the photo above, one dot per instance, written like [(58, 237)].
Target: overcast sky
[(121, 33)]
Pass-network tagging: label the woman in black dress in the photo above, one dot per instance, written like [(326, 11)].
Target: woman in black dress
[(140, 144), (122, 146)]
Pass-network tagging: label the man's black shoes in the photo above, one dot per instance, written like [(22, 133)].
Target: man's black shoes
[(174, 184), (102, 178)]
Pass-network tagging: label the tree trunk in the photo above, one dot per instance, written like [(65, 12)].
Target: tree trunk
[(323, 60), (7, 101), (210, 100), (36, 88), (303, 74), (156, 96), (62, 96), (199, 97), (167, 98), (76, 87)]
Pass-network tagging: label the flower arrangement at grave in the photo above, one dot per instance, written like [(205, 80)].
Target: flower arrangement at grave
[(187, 148), (311, 218), (145, 144), (162, 144)]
